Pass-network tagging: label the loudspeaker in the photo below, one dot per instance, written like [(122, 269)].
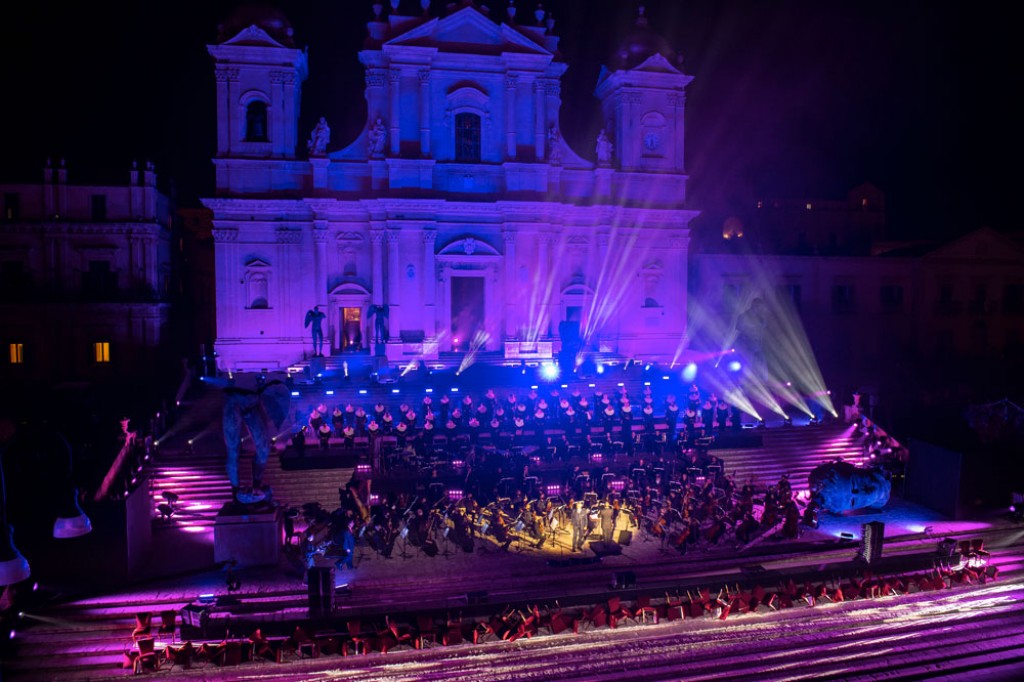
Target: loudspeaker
[(321, 590), (602, 549), (625, 537), (623, 580), (478, 597), (871, 541)]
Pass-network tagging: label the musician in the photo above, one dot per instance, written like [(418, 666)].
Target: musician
[(338, 419), (316, 420), (746, 528), (579, 526), (348, 545), (607, 517), (324, 434)]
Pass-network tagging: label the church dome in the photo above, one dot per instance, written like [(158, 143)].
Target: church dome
[(262, 15), (638, 45)]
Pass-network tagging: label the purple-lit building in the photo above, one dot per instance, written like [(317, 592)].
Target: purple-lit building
[(85, 277), (458, 208)]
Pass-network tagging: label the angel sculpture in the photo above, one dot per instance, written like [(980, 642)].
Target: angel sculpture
[(315, 319), (380, 315)]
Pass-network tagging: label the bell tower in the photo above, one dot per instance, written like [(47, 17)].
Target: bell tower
[(259, 74), (643, 100)]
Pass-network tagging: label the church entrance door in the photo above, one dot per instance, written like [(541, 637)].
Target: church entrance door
[(351, 329), (467, 323)]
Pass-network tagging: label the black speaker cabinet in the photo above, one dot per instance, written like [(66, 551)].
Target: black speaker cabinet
[(321, 591), (625, 537)]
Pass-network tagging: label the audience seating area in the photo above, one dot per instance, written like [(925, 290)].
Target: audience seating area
[(356, 637)]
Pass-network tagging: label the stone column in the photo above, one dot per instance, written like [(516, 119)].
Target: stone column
[(394, 282), (429, 283), (376, 79), (424, 75), (395, 76), (539, 120), (678, 103), (511, 88), (511, 298), (320, 263), (544, 241), (230, 277), (377, 265)]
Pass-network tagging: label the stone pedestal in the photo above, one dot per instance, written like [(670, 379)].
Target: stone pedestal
[(248, 535)]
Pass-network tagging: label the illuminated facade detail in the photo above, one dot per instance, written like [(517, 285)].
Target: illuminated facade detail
[(459, 208)]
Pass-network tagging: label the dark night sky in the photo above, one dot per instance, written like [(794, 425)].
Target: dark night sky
[(791, 98)]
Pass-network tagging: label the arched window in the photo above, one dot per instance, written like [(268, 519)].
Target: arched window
[(467, 137), (256, 121)]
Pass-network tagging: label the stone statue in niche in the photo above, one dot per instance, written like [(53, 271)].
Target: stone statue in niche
[(604, 149), (319, 138), (554, 145), (378, 138)]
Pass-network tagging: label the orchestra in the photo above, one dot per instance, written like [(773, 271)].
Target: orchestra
[(633, 471)]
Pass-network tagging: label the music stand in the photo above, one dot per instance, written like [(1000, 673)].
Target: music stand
[(405, 543)]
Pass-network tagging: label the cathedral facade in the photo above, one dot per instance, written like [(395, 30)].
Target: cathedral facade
[(459, 218)]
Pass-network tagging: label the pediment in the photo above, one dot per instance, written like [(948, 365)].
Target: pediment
[(466, 29), (656, 63), (253, 35), (982, 244), (468, 246), (257, 263)]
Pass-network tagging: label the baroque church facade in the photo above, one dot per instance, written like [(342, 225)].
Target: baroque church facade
[(459, 219)]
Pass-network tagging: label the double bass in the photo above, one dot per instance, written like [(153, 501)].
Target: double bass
[(427, 542)]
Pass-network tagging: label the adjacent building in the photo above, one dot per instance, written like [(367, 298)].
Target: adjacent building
[(85, 277)]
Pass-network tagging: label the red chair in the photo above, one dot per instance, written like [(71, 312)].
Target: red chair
[(328, 645), (402, 632), (644, 611), (594, 617), (302, 643), (426, 632), (453, 632), (232, 653), (617, 612), (147, 658), (179, 656), (143, 626), (168, 623), (360, 641), (674, 609), (264, 649)]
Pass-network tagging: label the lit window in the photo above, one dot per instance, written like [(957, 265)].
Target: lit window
[(760, 204), (17, 353), (809, 206), (101, 351), (864, 201)]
